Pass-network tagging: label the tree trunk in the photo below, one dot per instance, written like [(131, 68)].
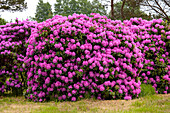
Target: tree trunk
[(112, 10), (122, 14)]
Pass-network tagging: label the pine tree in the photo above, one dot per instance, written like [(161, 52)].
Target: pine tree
[(43, 11)]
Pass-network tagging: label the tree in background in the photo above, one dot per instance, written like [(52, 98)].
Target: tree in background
[(128, 9), (13, 5), (68, 7), (160, 8), (85, 6), (61, 7), (43, 11)]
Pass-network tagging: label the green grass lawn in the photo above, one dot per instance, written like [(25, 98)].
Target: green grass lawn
[(148, 104)]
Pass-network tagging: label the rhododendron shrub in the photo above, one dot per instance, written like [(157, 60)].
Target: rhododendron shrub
[(74, 57), (153, 39), (70, 57), (12, 53)]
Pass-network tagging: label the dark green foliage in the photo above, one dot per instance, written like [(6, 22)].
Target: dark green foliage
[(68, 7), (2, 21), (43, 11), (146, 90)]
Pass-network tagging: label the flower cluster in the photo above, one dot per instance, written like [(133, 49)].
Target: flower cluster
[(12, 53)]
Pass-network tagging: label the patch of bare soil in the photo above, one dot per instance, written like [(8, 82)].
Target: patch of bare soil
[(21, 108), (113, 105)]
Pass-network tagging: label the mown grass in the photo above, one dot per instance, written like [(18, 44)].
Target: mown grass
[(148, 104), (152, 104)]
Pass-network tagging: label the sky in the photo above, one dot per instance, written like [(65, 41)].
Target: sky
[(30, 11)]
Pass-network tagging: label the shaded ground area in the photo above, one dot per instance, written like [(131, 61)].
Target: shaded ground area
[(149, 104)]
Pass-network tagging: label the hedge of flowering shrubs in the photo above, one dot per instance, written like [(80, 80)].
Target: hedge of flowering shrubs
[(74, 57), (153, 38), (12, 53)]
